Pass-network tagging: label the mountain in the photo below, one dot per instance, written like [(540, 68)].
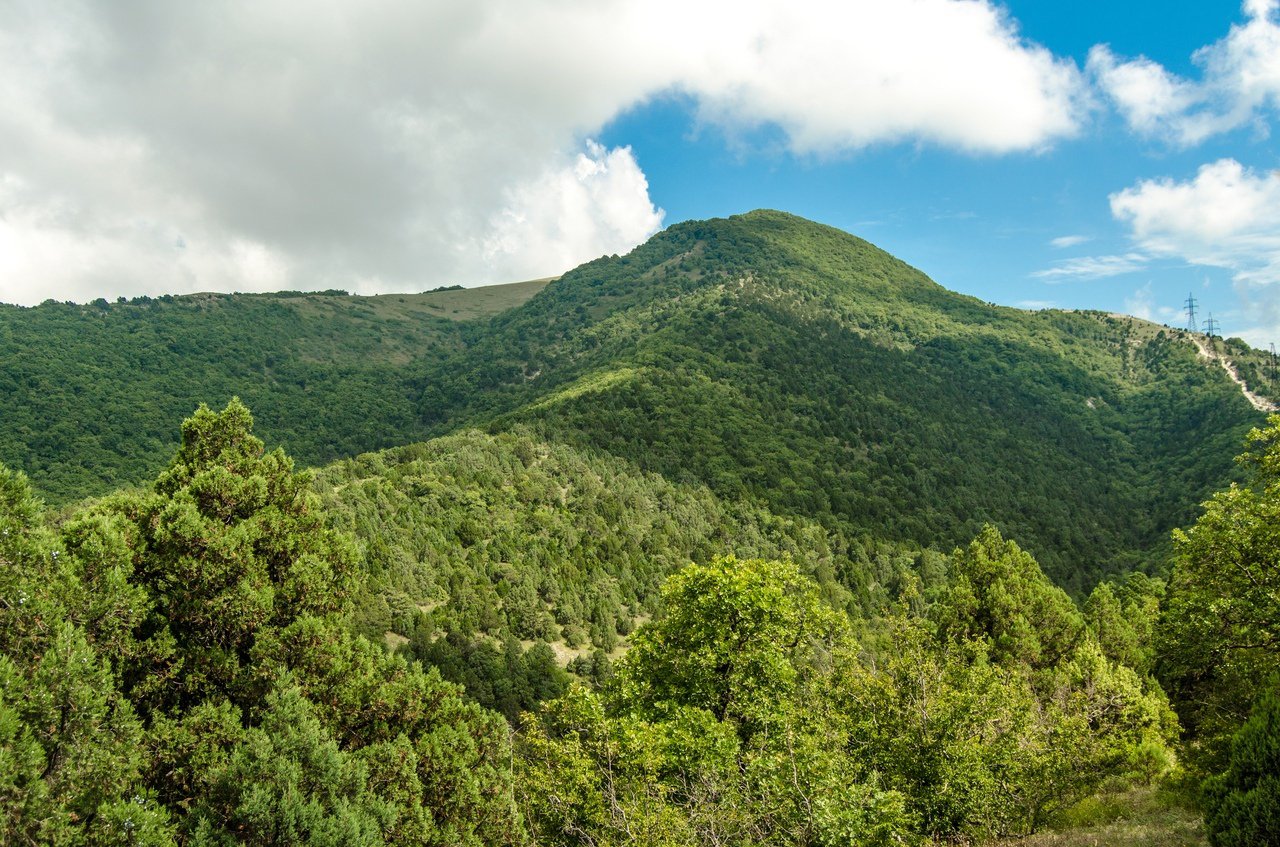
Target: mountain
[(765, 359), (795, 481), (91, 392), (790, 364)]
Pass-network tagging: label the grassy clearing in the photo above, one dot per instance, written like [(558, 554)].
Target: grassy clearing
[(458, 304), (467, 303), (1144, 817)]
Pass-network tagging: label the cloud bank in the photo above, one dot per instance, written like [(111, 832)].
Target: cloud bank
[(1240, 80), (151, 147), (1227, 216)]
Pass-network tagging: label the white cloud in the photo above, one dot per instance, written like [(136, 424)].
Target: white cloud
[(397, 146), (1093, 267), (598, 204), (1064, 241), (1240, 79), (1141, 304), (1145, 93), (1263, 329), (844, 75), (1036, 305), (1227, 216), (53, 248)]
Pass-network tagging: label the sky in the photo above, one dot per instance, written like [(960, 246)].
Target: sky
[(1101, 155)]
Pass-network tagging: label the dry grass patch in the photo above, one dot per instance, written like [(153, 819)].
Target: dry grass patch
[(1143, 817)]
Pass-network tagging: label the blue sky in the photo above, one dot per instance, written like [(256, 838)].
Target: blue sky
[(981, 223), (1086, 155)]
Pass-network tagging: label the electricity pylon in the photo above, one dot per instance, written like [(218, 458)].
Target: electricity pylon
[(1211, 326)]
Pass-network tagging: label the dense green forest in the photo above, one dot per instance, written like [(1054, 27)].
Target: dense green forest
[(183, 664), (753, 536), (776, 360), (772, 360), (91, 391)]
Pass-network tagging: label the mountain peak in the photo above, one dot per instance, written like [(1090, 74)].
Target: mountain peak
[(773, 248)]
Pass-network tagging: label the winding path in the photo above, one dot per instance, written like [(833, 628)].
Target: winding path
[(1262, 404)]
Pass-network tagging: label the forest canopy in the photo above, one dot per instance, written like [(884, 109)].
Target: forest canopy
[(753, 536), (181, 666)]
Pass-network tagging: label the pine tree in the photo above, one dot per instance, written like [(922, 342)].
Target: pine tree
[(1242, 805)]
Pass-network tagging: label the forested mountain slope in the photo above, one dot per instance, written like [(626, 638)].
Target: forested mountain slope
[(508, 537), (783, 362), (769, 359), (90, 392), (736, 531), (179, 668)]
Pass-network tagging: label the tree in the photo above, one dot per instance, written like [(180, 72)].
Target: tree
[(1242, 805), (231, 547), (949, 729), (735, 637), (586, 777), (716, 730), (268, 721), (287, 782), (1000, 596), (995, 708), (1221, 635), (71, 747), (1122, 617)]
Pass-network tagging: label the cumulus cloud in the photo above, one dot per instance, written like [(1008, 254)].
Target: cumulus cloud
[(1228, 216), (845, 75), (1141, 304), (149, 147), (553, 221), (1240, 79), (1149, 97), (1093, 267)]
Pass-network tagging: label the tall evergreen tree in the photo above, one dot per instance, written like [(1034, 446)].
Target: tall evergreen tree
[(1220, 641), (1242, 805), (72, 750), (214, 608)]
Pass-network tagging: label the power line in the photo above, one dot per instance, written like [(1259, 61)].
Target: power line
[(1190, 306)]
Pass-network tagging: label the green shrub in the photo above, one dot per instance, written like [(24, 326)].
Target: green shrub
[(1242, 806)]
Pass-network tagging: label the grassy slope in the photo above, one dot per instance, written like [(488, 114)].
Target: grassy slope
[(1143, 817)]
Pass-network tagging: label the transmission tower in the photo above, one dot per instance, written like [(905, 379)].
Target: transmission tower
[(1190, 306), (1211, 326), (1273, 363)]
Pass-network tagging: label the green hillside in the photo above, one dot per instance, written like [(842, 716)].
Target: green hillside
[(91, 391), (508, 536), (179, 666), (767, 358), (754, 536), (784, 362)]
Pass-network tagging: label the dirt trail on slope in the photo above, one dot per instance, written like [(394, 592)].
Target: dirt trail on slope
[(1262, 404)]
